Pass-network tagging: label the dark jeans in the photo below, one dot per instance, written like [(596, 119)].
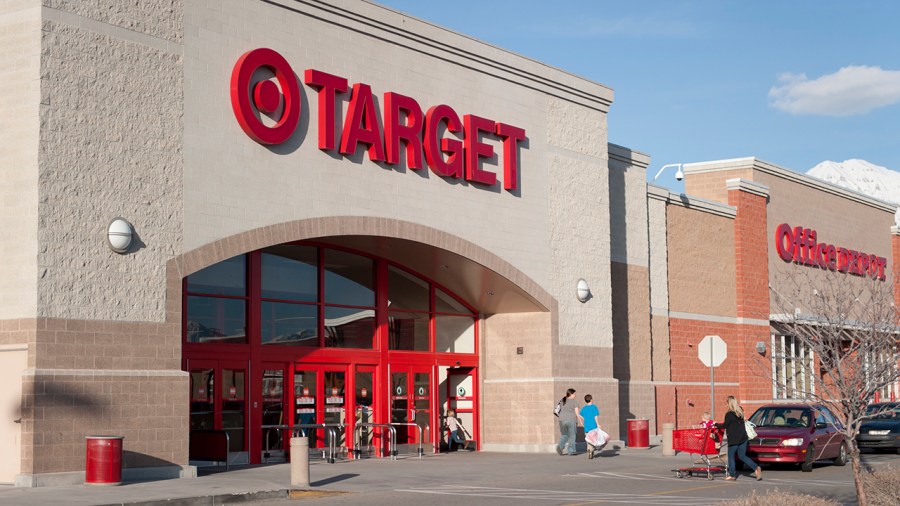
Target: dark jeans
[(741, 452)]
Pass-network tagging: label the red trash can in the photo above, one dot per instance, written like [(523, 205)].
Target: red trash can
[(638, 433), (103, 460)]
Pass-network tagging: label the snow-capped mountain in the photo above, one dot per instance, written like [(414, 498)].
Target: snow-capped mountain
[(861, 176)]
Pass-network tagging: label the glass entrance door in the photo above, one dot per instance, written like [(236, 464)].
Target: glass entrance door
[(461, 398), (219, 402), (274, 412), (411, 390), (364, 404), (319, 398)]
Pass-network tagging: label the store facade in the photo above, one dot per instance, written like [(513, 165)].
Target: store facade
[(340, 214), (343, 215), (745, 232)]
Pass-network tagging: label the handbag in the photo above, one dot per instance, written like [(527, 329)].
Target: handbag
[(557, 409), (750, 429)]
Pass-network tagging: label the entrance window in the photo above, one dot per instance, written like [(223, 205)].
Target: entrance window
[(290, 273), (349, 279), (284, 323), (408, 331), (453, 333), (349, 327), (216, 303), (406, 291), (216, 320)]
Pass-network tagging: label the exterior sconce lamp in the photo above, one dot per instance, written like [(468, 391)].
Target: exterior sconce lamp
[(761, 348), (679, 174), (119, 235), (583, 292)]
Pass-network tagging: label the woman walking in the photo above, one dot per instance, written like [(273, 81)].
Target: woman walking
[(568, 419), (737, 440)]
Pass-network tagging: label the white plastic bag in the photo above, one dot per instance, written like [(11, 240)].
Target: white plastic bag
[(596, 438)]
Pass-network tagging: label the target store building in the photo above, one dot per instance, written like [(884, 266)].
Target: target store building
[(239, 215), (337, 214)]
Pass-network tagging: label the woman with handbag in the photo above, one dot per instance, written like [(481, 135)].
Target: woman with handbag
[(737, 440), (568, 420)]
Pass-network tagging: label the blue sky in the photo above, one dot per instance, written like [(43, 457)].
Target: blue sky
[(792, 82)]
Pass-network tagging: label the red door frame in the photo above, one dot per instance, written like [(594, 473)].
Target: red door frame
[(475, 429)]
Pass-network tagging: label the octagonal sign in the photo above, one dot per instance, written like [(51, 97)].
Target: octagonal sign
[(712, 351)]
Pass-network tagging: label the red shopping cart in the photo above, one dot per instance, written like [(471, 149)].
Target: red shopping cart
[(702, 445)]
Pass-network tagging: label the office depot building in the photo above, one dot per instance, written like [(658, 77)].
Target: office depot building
[(227, 217)]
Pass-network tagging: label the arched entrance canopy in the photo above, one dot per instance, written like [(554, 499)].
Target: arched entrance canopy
[(487, 282)]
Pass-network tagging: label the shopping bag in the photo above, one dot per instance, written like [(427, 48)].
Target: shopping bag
[(596, 437)]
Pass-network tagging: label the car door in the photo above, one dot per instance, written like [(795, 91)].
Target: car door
[(828, 435)]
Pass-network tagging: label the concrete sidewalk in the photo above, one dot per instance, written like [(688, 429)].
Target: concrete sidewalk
[(264, 482)]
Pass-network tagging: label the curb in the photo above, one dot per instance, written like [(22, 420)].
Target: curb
[(212, 500)]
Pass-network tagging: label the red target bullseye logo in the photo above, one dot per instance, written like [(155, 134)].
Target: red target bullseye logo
[(265, 96)]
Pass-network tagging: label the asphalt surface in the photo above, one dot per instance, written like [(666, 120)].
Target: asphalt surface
[(622, 476)]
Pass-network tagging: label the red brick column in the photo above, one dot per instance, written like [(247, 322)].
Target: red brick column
[(751, 288)]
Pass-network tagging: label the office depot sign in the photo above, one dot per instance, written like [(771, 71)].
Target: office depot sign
[(452, 147), (800, 245)]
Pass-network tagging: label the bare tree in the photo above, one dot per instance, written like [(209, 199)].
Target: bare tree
[(848, 329)]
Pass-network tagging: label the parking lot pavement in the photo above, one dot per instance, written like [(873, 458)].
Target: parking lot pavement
[(619, 476)]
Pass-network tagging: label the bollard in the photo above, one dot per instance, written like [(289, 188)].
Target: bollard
[(300, 462), (667, 449)]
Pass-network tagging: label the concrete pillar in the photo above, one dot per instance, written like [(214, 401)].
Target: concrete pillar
[(300, 462), (667, 449)]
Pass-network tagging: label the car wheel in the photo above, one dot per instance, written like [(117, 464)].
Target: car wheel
[(807, 464), (841, 459)]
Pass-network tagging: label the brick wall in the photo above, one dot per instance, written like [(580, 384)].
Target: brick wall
[(92, 378), (711, 185)]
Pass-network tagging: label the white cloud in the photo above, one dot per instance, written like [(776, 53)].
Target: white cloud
[(849, 91)]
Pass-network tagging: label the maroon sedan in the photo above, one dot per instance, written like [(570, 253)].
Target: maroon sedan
[(797, 433)]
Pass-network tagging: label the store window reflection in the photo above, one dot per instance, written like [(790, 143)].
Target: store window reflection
[(295, 324), (349, 328), (408, 330), (453, 333), (216, 303), (349, 279)]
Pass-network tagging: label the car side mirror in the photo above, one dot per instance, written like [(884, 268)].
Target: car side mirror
[(820, 425)]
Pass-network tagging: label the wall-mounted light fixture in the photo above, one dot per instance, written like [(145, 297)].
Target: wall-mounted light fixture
[(761, 348), (679, 174), (583, 292), (119, 235)]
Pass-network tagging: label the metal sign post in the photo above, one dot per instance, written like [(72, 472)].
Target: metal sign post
[(712, 351)]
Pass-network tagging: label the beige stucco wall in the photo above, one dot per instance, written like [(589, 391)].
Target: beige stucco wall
[(111, 144), (699, 282), (20, 98)]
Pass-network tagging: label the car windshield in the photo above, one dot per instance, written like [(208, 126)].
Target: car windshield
[(781, 417), (884, 411)]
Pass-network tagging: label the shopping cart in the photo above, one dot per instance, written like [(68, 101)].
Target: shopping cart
[(702, 446)]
